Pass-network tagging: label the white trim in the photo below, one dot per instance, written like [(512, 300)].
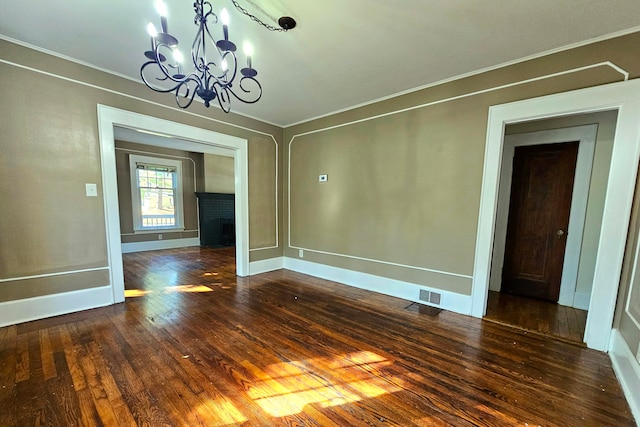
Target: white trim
[(586, 136), (58, 273), (624, 97), (136, 204), (154, 245), (581, 300), (28, 309), (409, 291), (266, 265), (277, 227), (160, 230), (627, 371), (196, 140), (175, 110)]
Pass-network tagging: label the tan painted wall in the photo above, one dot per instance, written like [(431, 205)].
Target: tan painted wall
[(219, 174), (623, 320), (606, 122), (404, 175), (192, 165), (49, 149)]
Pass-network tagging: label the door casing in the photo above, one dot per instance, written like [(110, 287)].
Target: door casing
[(623, 97)]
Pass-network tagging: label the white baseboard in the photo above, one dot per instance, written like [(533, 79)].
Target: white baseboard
[(155, 245), (451, 301), (26, 310), (627, 371), (581, 300), (265, 265)]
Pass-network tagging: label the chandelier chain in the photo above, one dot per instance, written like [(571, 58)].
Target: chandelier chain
[(256, 19)]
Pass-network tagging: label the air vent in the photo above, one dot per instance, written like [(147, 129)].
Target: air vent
[(430, 297)]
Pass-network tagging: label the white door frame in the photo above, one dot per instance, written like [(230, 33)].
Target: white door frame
[(189, 138), (623, 97), (586, 137)]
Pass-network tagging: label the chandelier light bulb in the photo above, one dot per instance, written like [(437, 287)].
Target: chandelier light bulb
[(224, 16), (151, 29), (247, 47), (161, 8), (223, 65), (177, 55), (248, 50)]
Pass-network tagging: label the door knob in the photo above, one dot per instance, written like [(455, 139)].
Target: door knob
[(560, 233)]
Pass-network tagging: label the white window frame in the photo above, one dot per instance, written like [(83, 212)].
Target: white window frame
[(136, 205)]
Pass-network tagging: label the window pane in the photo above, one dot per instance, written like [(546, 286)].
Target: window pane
[(157, 207)]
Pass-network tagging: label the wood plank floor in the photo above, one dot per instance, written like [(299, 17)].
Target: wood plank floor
[(537, 316), (195, 346)]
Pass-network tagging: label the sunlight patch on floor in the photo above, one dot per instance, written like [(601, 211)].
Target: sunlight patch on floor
[(226, 414), (133, 293), (286, 388)]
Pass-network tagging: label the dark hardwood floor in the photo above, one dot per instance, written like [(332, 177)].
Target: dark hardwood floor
[(538, 316), (195, 345)]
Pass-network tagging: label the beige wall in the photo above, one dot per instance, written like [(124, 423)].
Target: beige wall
[(50, 148), (192, 165), (219, 174), (606, 122), (404, 175), (629, 330)]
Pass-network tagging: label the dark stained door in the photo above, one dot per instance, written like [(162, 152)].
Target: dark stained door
[(541, 190)]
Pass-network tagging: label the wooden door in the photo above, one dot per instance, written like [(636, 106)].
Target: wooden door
[(541, 190)]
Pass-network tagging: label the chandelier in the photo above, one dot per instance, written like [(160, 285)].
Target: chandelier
[(213, 69)]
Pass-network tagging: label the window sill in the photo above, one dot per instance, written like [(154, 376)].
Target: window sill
[(157, 229)]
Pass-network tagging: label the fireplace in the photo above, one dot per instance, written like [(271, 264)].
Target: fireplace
[(217, 214)]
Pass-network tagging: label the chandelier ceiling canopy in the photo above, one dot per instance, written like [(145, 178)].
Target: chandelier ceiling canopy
[(212, 72)]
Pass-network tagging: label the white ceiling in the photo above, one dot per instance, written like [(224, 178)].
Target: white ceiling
[(342, 54)]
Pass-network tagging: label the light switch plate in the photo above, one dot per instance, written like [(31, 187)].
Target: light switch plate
[(323, 178), (92, 190)]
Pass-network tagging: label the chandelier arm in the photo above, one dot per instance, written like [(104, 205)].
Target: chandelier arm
[(151, 85), (189, 95), (182, 84), (224, 100), (166, 76), (235, 65), (247, 91)]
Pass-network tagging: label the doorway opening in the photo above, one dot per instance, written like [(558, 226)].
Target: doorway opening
[(608, 252), (545, 187), (167, 134)]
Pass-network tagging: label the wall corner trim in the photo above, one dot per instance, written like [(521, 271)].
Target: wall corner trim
[(154, 245), (266, 265), (627, 370), (451, 301), (28, 309)]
